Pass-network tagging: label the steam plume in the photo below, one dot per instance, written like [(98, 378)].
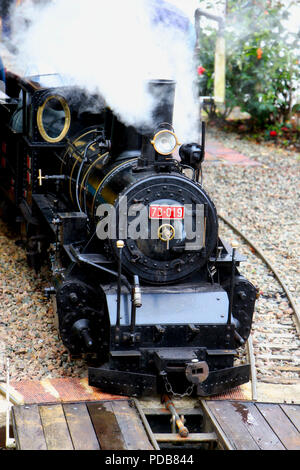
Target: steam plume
[(109, 48)]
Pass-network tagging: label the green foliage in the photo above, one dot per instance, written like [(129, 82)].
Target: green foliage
[(262, 66)]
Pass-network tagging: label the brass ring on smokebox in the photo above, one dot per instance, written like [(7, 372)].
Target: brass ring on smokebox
[(162, 236), (67, 124)]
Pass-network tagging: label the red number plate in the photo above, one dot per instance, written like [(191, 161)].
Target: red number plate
[(166, 212)]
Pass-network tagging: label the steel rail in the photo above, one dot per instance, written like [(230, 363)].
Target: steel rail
[(249, 345), (251, 358), (270, 266)]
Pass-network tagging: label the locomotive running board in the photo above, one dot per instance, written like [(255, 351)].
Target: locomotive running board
[(121, 382)]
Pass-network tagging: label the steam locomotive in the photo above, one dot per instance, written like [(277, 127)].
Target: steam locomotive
[(143, 286)]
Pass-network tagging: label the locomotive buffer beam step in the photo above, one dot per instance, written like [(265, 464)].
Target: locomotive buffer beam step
[(141, 384), (122, 382)]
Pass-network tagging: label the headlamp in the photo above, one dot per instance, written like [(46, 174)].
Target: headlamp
[(164, 142)]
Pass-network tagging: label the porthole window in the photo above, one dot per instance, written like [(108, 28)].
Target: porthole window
[(54, 118)]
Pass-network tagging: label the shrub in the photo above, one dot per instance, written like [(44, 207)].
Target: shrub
[(261, 63)]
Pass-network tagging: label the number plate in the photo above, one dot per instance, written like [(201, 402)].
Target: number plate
[(166, 212)]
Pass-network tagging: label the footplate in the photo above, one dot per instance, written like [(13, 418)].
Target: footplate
[(222, 380), (122, 383)]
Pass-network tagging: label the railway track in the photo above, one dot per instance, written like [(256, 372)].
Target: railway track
[(274, 345)]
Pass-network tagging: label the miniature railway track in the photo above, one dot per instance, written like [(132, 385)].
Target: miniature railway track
[(274, 344)]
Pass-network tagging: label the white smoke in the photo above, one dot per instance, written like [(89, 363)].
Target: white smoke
[(108, 47)]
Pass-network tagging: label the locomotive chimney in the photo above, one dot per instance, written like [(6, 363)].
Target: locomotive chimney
[(162, 93), (126, 141)]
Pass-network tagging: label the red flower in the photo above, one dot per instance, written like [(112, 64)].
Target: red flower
[(273, 133), (259, 53), (201, 70), (285, 129)]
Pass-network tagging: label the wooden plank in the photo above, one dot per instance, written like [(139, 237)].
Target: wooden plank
[(294, 346), (164, 411), (287, 368), (273, 380), (211, 423), (55, 427), (28, 429), (258, 427), (193, 437), (293, 412), (106, 426), (267, 326), (80, 427), (233, 425), (275, 357), (131, 426), (281, 425), (146, 424)]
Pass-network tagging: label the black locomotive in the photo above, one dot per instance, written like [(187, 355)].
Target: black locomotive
[(142, 284)]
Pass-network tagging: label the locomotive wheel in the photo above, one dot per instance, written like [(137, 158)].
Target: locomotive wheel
[(82, 322)]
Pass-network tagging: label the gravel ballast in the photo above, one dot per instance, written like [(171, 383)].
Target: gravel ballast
[(263, 201)]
